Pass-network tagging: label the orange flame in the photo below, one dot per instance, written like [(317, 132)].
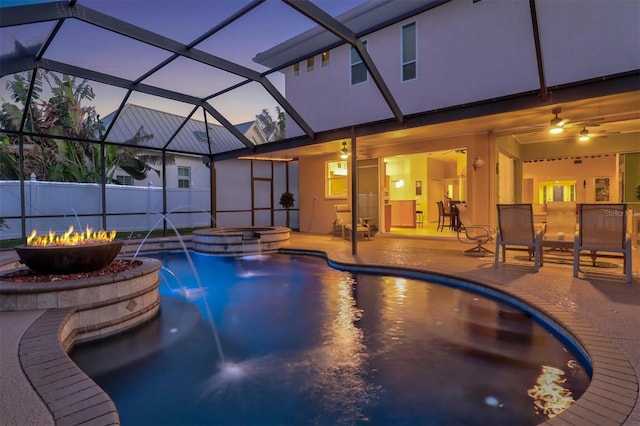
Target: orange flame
[(70, 238)]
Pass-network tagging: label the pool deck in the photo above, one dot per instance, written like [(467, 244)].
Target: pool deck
[(599, 308)]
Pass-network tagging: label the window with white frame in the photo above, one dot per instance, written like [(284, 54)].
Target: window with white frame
[(125, 179), (310, 64), (184, 177), (409, 63), (358, 69), (326, 58), (296, 69), (336, 179)]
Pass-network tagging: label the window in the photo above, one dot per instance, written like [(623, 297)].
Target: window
[(326, 58), (310, 63), (409, 63), (296, 69), (184, 177), (125, 179), (358, 69), (336, 179)]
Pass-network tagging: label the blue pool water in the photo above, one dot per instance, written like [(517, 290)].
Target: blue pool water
[(306, 344)]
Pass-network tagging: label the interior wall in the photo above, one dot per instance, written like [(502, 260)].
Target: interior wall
[(584, 171)]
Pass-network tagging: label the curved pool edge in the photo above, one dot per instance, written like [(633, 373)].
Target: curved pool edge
[(609, 399), (76, 311), (613, 391), (71, 396)]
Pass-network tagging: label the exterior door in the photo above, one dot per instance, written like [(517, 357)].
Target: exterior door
[(262, 202)]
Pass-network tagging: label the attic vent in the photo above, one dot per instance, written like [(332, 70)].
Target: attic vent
[(577, 161)]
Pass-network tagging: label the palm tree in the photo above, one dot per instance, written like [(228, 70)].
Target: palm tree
[(273, 130), (63, 116)]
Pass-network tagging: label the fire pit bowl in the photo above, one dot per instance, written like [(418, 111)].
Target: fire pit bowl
[(69, 259)]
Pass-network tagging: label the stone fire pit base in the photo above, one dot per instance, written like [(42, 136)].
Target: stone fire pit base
[(101, 305)]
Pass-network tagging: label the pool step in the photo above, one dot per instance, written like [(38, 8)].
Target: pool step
[(495, 330)]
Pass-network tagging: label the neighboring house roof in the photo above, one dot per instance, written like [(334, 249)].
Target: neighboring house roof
[(243, 127), (361, 20), (192, 138)]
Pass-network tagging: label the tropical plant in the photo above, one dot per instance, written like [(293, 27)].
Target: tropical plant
[(273, 130), (62, 120), (286, 201)]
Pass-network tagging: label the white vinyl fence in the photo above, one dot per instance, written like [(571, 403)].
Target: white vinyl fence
[(129, 208)]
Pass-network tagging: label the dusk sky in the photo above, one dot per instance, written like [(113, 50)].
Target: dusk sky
[(87, 46)]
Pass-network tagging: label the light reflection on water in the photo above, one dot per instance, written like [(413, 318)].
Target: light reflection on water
[(306, 344)]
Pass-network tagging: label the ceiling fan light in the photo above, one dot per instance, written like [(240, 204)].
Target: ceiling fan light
[(555, 130), (344, 152), (584, 135), (557, 121)]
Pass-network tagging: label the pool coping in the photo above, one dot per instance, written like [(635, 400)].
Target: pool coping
[(608, 400)]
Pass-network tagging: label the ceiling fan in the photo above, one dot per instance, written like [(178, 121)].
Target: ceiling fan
[(562, 128)]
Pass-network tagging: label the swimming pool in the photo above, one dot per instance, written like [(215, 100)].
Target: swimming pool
[(308, 344)]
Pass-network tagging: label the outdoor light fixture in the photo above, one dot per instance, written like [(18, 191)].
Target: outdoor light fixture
[(556, 122), (344, 152), (477, 163), (584, 135)]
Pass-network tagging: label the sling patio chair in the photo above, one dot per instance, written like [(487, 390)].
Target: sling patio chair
[(603, 228), (343, 220), (515, 229), (469, 233)]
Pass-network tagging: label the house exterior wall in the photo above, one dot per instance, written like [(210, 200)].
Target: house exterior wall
[(317, 212), (466, 52)]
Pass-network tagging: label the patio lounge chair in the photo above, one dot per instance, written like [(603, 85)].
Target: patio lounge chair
[(603, 227), (469, 233), (515, 228), (343, 220)]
